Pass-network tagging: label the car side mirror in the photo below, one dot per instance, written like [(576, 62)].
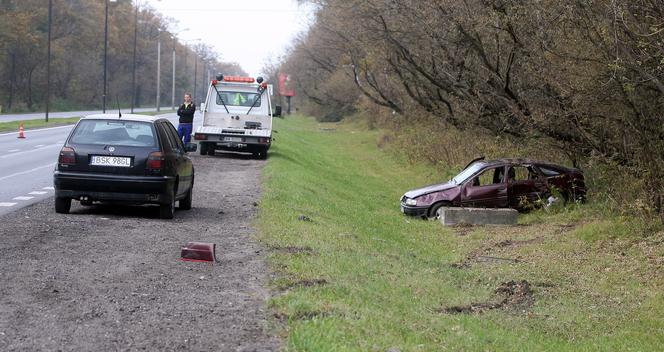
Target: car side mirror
[(277, 111), (190, 147)]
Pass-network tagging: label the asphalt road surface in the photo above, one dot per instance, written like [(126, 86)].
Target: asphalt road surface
[(26, 165), (41, 115), (108, 278)]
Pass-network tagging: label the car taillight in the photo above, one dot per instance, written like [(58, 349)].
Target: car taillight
[(155, 161), (200, 137), (263, 140), (67, 156)]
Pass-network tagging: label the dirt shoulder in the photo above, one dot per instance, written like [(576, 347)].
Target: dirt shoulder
[(108, 278)]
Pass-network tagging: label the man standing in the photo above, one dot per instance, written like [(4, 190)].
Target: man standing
[(186, 112)]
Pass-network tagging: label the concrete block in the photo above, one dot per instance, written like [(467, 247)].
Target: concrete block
[(478, 216)]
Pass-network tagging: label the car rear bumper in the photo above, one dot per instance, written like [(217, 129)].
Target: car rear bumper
[(101, 187), (414, 211)]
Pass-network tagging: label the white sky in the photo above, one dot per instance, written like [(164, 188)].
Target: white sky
[(244, 31)]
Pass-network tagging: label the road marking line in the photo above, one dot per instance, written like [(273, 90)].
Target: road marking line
[(27, 171), (14, 150), (38, 145), (6, 204), (50, 188), (22, 198), (37, 193), (29, 151)]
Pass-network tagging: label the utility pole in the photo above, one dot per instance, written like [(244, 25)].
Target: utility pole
[(133, 65), (195, 74), (158, 67), (173, 78), (105, 53), (48, 59)]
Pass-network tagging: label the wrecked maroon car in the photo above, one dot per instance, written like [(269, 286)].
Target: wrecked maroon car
[(505, 183)]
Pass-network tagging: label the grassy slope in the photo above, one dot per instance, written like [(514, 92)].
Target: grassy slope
[(387, 276)]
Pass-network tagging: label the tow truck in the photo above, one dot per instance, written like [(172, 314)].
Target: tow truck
[(237, 116)]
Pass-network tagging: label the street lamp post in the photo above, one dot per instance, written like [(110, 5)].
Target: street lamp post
[(158, 67), (48, 59), (195, 73), (133, 64), (105, 50), (173, 78), (105, 53)]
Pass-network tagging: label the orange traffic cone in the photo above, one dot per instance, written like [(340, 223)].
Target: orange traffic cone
[(21, 131)]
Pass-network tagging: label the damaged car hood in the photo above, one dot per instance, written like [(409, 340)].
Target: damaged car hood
[(430, 189)]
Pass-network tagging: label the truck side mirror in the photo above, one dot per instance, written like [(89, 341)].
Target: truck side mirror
[(277, 111)]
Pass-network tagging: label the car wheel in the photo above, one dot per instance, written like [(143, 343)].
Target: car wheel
[(185, 203), (62, 205), (86, 203), (203, 148), (436, 210), (166, 211)]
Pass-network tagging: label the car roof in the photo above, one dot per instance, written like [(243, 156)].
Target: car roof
[(526, 161), (125, 117)]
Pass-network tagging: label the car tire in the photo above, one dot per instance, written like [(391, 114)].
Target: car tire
[(86, 203), (203, 148), (185, 203), (167, 211), (434, 211), (62, 205)]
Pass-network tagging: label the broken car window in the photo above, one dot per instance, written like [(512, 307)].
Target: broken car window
[(489, 177)]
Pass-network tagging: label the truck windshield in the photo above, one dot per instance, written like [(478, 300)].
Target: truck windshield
[(238, 99)]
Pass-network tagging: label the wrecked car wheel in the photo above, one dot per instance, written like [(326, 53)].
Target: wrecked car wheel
[(436, 210)]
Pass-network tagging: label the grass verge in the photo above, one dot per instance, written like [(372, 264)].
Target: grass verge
[(53, 122), (30, 124), (353, 274)]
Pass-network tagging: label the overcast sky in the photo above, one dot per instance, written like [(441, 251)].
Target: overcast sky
[(241, 31)]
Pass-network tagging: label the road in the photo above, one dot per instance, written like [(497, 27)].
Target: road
[(108, 278), (26, 165), (41, 115)]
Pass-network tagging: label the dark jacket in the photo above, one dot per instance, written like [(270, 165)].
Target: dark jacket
[(187, 113)]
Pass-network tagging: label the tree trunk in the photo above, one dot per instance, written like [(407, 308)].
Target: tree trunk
[(12, 81)]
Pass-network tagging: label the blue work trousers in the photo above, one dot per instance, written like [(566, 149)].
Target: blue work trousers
[(184, 130)]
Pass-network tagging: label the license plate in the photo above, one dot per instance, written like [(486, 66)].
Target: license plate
[(102, 160), (232, 139)]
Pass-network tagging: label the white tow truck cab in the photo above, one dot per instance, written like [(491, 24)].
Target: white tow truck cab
[(237, 116)]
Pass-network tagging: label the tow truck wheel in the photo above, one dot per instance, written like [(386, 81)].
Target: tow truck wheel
[(203, 148)]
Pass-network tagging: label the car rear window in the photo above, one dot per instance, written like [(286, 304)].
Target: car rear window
[(103, 132), (549, 172)]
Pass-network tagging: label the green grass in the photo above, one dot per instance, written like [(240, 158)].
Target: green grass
[(29, 124), (362, 277), (52, 122)]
